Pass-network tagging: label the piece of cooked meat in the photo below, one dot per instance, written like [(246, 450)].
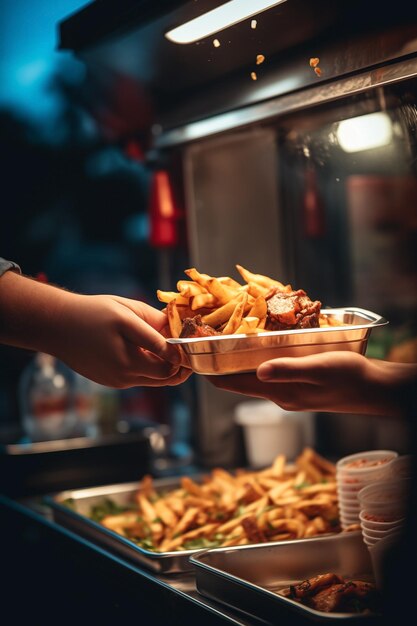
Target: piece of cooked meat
[(312, 585), (252, 530), (294, 309), (195, 327), (352, 596)]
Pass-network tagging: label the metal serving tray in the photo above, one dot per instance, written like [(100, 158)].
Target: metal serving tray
[(231, 354), (77, 519), (249, 578)]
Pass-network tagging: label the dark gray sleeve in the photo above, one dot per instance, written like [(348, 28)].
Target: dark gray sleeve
[(8, 265)]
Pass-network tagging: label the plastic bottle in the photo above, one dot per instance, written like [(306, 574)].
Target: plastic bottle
[(46, 399), (86, 405)]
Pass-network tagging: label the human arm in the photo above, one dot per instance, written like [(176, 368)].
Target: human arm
[(340, 382), (112, 340)]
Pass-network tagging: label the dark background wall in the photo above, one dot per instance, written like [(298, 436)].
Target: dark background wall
[(74, 198)]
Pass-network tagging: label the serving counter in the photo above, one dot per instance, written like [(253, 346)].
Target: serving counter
[(55, 575)]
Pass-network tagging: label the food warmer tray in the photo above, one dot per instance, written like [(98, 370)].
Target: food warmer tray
[(248, 578), (75, 518)]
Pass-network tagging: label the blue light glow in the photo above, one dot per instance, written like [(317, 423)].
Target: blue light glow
[(28, 52)]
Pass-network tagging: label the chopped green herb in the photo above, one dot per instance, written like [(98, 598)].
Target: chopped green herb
[(202, 542), (239, 511), (146, 543), (107, 507)]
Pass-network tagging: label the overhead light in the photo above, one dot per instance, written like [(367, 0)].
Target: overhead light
[(365, 132), (217, 19)]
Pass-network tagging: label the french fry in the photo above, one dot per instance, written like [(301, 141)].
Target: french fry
[(259, 308), (203, 300), (257, 291), (174, 544), (222, 314), (174, 320), (221, 292), (147, 508), (232, 541), (123, 520), (249, 325), (165, 513), (260, 279), (261, 324), (203, 503), (236, 317), (278, 465), (185, 522), (169, 296), (146, 486), (176, 504), (326, 466), (231, 282), (189, 485), (195, 276), (189, 289), (219, 472), (312, 473)]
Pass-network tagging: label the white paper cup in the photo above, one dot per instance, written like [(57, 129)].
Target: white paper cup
[(385, 498), (268, 431), (351, 511), (348, 520), (368, 540), (402, 466), (379, 534), (365, 465), (348, 497), (379, 522)]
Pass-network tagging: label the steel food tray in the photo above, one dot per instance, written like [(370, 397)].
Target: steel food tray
[(249, 578), (232, 354), (75, 517)]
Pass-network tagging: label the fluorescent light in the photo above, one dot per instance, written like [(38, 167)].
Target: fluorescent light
[(365, 132), (217, 19)]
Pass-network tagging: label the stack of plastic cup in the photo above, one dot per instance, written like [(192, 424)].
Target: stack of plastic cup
[(353, 473), (401, 467), (383, 508)]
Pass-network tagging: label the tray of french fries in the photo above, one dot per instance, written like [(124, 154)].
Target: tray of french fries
[(223, 326), (160, 523)]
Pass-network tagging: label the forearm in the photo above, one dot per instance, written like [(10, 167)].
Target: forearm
[(392, 388), (30, 312)]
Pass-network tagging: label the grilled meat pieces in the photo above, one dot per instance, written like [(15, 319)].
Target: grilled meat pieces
[(312, 585), (331, 593), (351, 596), (194, 327), (289, 310)]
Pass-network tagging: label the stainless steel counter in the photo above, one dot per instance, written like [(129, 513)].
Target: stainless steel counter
[(71, 564)]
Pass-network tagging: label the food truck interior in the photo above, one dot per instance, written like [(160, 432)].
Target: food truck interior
[(248, 156)]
